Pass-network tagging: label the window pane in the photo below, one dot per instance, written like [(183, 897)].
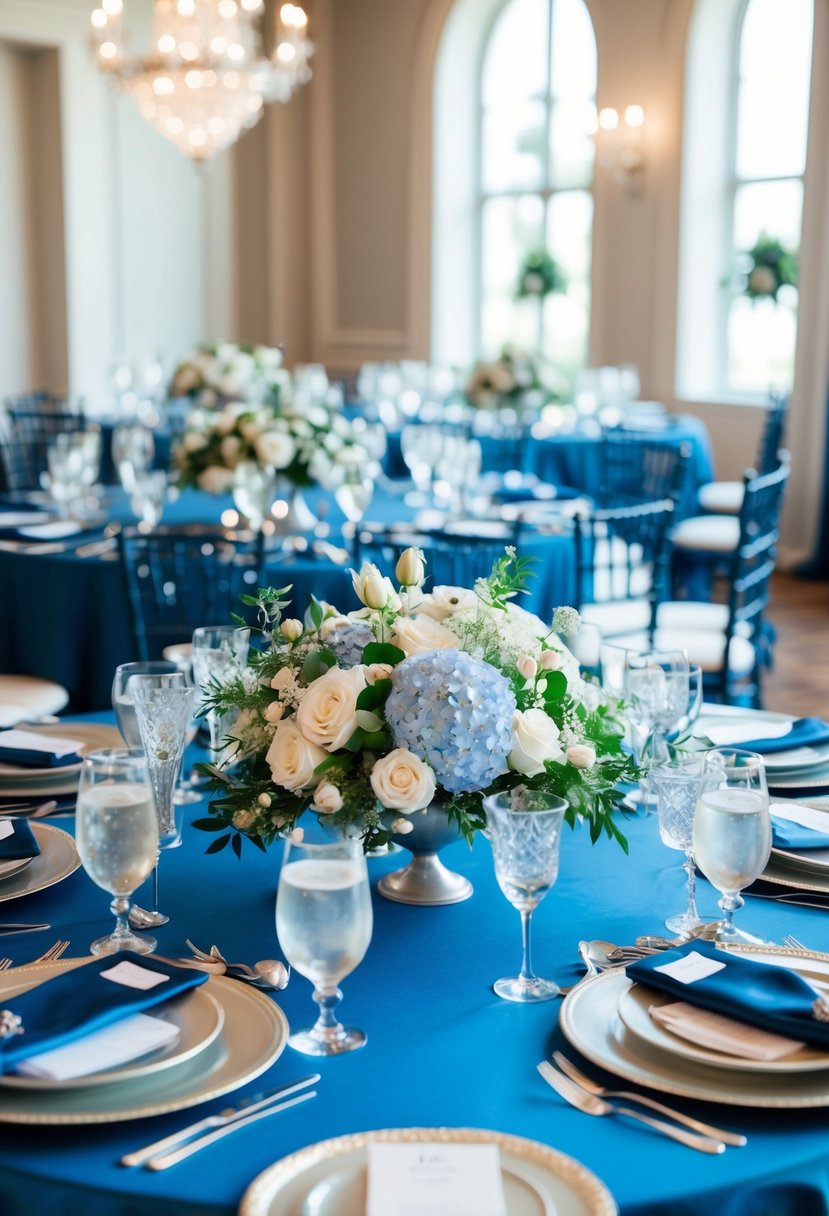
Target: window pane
[(515, 64), (567, 316), (761, 341), (573, 68), (571, 144), (773, 104), (770, 207), (513, 145), (511, 227)]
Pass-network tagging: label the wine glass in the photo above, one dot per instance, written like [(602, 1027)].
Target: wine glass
[(732, 829), (117, 836), (125, 716), (148, 496), (253, 491), (355, 492), (163, 708), (525, 830), (652, 681), (324, 923), (219, 653), (133, 451), (676, 785)]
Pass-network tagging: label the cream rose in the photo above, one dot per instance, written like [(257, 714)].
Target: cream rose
[(445, 601), (535, 739), (292, 758), (373, 589), (581, 755), (417, 634), (402, 782), (327, 714), (274, 711), (410, 569), (215, 479), (275, 449), (327, 798), (527, 666), (550, 660)]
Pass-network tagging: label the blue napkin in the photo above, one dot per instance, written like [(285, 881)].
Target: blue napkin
[(28, 757), (77, 1002), (788, 835), (805, 732), (21, 844), (769, 997)]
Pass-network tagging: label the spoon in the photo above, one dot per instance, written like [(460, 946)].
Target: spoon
[(268, 971)]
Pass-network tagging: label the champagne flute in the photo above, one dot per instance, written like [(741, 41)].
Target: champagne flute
[(525, 830), (677, 787), (125, 716), (219, 653), (117, 836), (163, 706), (732, 829), (324, 923)]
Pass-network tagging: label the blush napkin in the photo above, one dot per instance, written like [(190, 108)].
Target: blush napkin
[(805, 732), (79, 1001), (20, 843), (769, 997), (29, 750)]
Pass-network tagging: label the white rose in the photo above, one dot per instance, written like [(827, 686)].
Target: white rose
[(274, 711), (373, 589), (327, 798), (291, 629), (402, 782), (377, 671), (292, 758), (527, 666), (410, 570), (230, 447), (534, 741), (250, 429), (243, 820), (227, 418), (275, 449), (550, 660), (581, 755), (194, 441), (328, 712), (445, 601), (417, 634), (215, 479)]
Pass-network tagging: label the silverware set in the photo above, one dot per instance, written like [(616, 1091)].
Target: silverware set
[(270, 974), (51, 955)]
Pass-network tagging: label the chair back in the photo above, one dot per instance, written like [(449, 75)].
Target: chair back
[(453, 560), (180, 578), (636, 468), (774, 428), (30, 425), (622, 554)]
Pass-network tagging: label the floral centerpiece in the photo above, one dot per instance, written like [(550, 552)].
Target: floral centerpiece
[(539, 275), (417, 698), (769, 266), (227, 371), (516, 379)]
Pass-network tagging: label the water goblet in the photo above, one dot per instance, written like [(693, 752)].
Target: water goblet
[(254, 488), (324, 923), (148, 496), (133, 450), (676, 785), (732, 829), (163, 707), (525, 831), (355, 491), (219, 653), (117, 836)]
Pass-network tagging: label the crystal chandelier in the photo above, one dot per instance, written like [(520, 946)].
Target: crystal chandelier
[(206, 76)]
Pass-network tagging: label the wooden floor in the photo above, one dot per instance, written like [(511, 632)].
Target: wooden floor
[(798, 682)]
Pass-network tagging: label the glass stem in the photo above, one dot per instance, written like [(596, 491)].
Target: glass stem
[(690, 870), (119, 908), (526, 961), (326, 1025), (729, 904), (155, 887), (214, 723)]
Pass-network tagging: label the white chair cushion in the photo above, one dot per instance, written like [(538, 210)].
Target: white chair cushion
[(722, 497), (37, 696), (703, 646), (695, 614), (181, 654), (618, 616), (707, 534)]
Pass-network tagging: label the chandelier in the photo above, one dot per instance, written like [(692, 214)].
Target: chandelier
[(206, 76)]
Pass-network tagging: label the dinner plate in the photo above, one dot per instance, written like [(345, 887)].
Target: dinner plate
[(787, 781), (590, 1022), (807, 859), (56, 529), (15, 780), (197, 1015), (253, 1036), (786, 873), (330, 1178), (9, 868), (57, 860), (633, 1010)]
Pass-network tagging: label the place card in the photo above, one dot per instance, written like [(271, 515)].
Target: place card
[(734, 733), (435, 1180), (133, 976), (29, 741), (804, 816), (691, 968), (720, 1033), (6, 828)]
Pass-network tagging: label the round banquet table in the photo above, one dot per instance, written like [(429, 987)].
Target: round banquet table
[(66, 618), (442, 1049)]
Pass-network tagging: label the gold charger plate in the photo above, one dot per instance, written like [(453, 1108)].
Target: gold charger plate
[(590, 1022), (329, 1178), (196, 1014), (58, 859), (9, 868), (254, 1035), (25, 782)]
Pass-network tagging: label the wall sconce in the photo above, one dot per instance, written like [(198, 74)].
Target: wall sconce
[(620, 146)]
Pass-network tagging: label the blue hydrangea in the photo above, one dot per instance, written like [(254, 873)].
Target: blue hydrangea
[(454, 712), (348, 641)]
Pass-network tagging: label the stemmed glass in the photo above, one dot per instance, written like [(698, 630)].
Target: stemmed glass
[(125, 716), (219, 653), (525, 831), (133, 451), (117, 836), (732, 829), (324, 923), (148, 495), (254, 489), (677, 787), (355, 491), (163, 708)]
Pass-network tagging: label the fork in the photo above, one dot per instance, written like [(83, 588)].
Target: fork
[(793, 943), (706, 1129), (591, 1105), (53, 953)]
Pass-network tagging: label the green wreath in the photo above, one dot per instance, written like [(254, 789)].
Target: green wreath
[(540, 275), (770, 266)]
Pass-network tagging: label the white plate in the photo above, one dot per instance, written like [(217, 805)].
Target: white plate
[(633, 1010), (20, 519), (484, 528), (9, 868), (329, 1179), (807, 859), (15, 780), (58, 859), (57, 529), (590, 1022)]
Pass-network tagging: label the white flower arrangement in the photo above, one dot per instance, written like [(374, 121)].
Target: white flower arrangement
[(368, 718), (226, 371)]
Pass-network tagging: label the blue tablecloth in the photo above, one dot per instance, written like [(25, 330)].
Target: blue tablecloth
[(442, 1049)]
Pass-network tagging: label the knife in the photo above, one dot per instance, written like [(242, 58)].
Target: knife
[(224, 1117), (8, 927)]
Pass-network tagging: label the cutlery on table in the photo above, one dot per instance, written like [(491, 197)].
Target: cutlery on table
[(9, 927), (589, 1104), (49, 956), (706, 1129), (226, 1119)]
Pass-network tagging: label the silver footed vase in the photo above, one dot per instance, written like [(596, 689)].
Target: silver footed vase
[(426, 880)]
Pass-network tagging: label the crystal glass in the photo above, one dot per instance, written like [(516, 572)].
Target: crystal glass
[(133, 451), (661, 698), (219, 653), (163, 707), (148, 496), (355, 492), (324, 923), (117, 836), (66, 464), (732, 829), (676, 786), (254, 489), (525, 830), (125, 716)]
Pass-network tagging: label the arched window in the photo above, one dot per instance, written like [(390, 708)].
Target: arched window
[(743, 195)]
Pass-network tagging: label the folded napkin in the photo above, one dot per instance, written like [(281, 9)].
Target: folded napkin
[(82, 1000), (110, 1047), (805, 732), (719, 1033), (17, 840), (29, 750), (772, 998), (794, 826)]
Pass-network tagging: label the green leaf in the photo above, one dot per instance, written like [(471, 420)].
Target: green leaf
[(316, 664), (383, 652), (556, 686), (315, 612), (218, 844), (355, 743), (368, 721), (375, 741), (210, 825), (236, 845), (328, 763)]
